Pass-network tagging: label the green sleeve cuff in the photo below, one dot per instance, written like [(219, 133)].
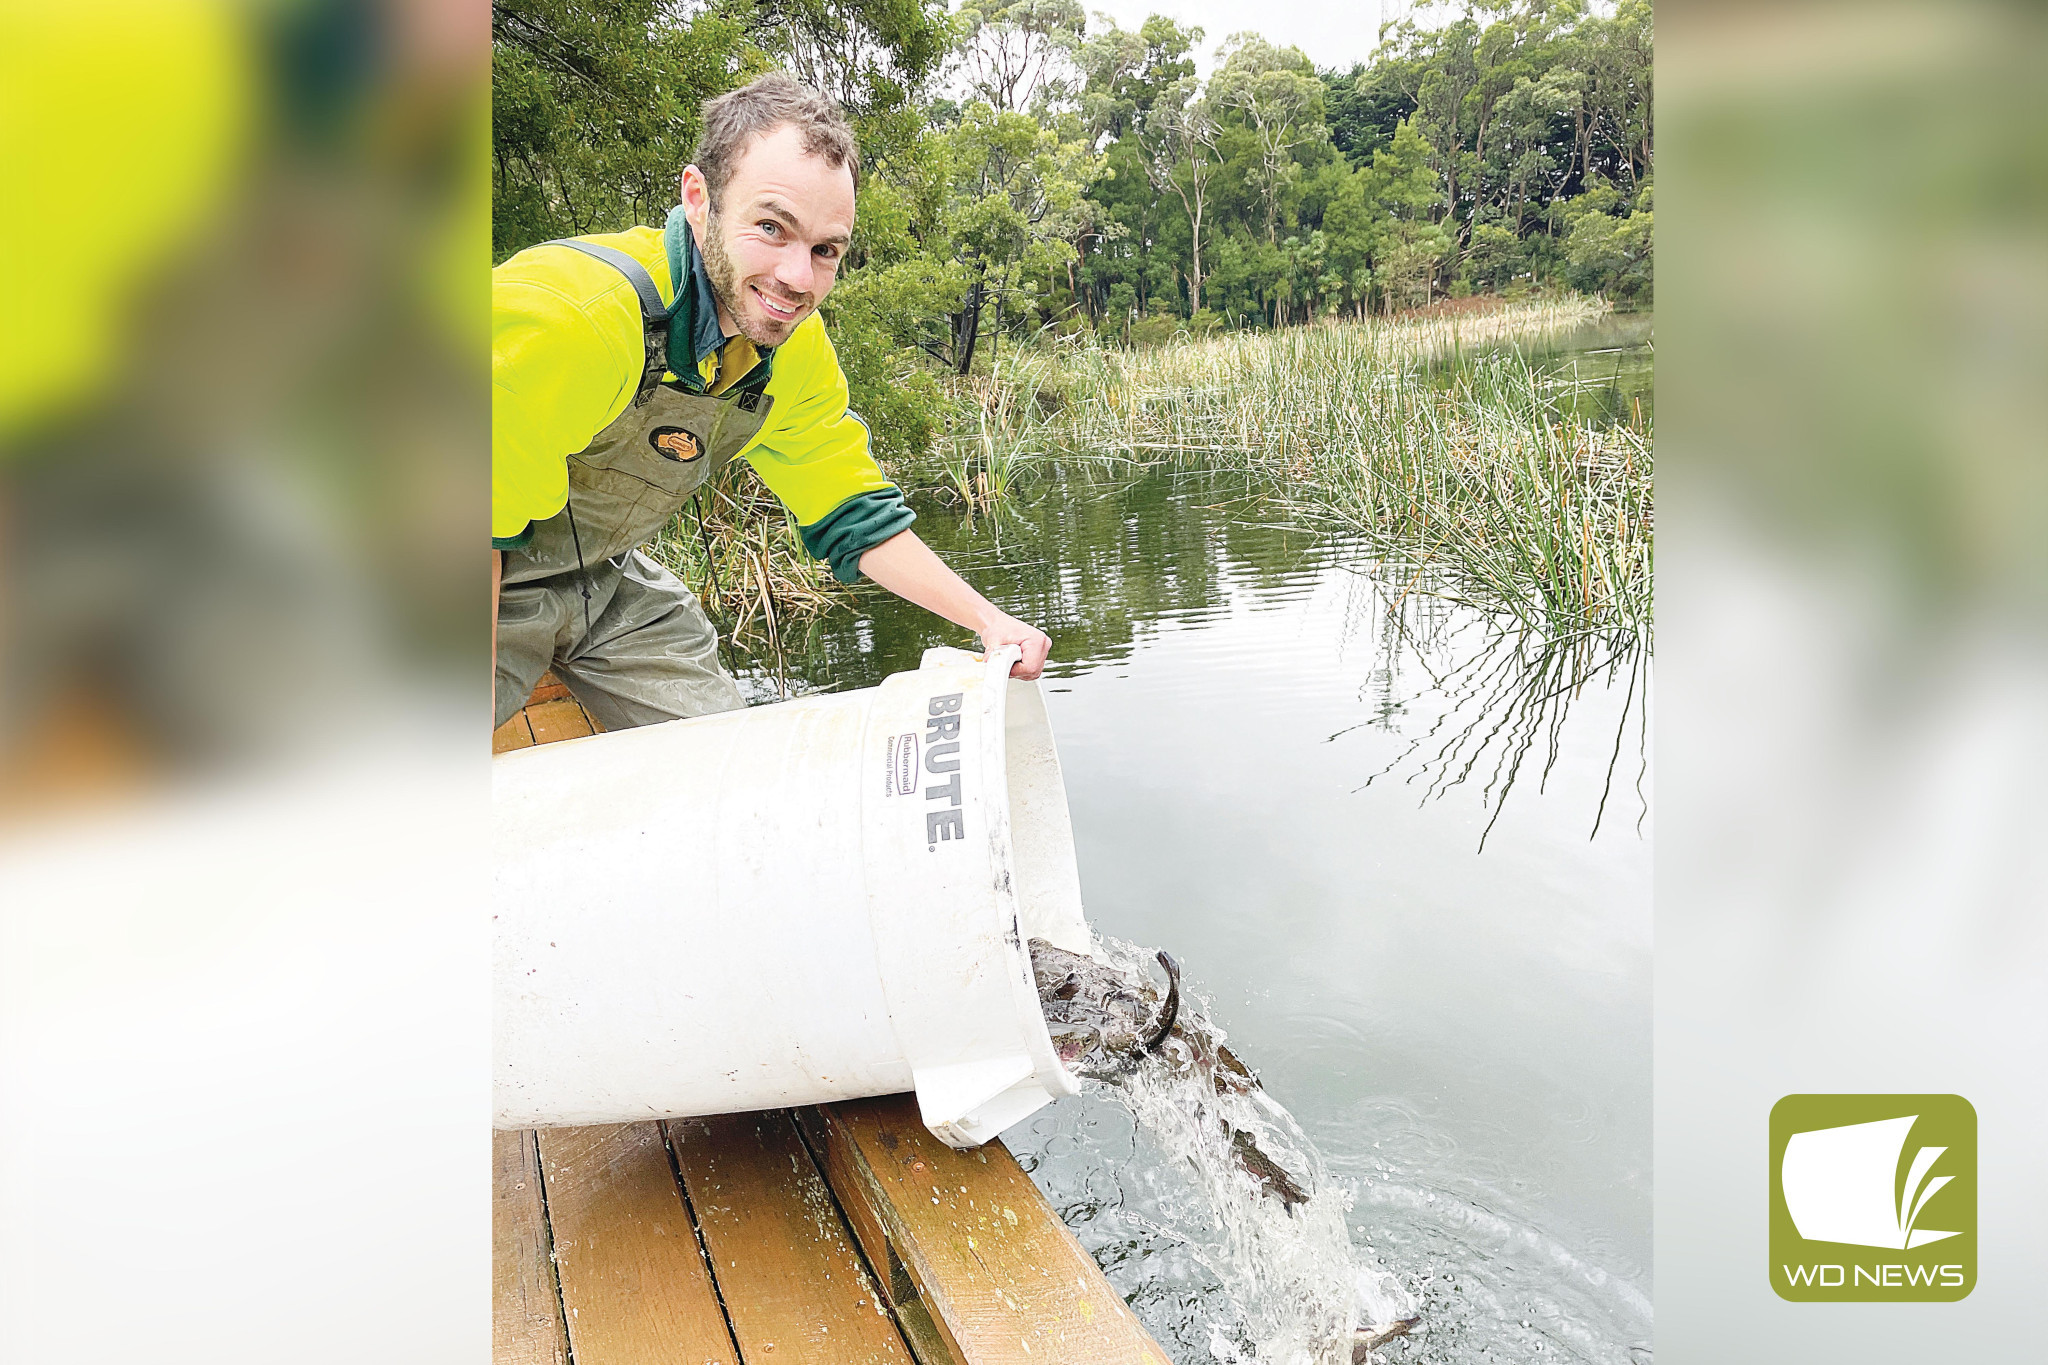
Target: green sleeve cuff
[(856, 526), (518, 542)]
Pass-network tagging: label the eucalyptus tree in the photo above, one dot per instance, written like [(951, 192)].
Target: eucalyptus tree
[(1111, 62), (1437, 69), (1530, 113), (1017, 203), (1276, 96), (1017, 54), (1620, 68), (1184, 135), (594, 109), (1125, 76), (873, 56)]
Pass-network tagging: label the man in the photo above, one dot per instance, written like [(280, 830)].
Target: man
[(628, 368)]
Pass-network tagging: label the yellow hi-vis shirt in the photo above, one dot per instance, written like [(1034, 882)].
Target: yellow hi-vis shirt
[(567, 356)]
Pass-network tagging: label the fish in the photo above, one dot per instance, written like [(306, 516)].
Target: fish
[(1271, 1176), (1169, 1013), (1369, 1339), (1106, 1023), (1103, 1021)]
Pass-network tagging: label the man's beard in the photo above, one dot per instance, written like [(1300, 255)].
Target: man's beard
[(731, 291)]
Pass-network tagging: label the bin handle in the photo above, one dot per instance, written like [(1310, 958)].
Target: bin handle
[(1001, 659)]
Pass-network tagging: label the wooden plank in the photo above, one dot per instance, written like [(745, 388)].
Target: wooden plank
[(1004, 1281), (553, 720), (861, 1214), (526, 1310), (549, 688), (793, 1284), (561, 716), (913, 1319), (634, 1282), (516, 733)]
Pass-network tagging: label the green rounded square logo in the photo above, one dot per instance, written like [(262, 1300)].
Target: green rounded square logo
[(1873, 1198)]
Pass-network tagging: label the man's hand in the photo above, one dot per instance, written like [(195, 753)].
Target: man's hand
[(1000, 630), (906, 566)]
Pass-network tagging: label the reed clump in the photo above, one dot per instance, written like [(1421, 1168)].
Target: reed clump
[(1487, 485), (740, 552), (1488, 479), (999, 424)]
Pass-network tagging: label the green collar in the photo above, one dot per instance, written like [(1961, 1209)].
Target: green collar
[(693, 331)]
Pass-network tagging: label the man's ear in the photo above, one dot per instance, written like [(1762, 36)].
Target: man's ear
[(696, 198)]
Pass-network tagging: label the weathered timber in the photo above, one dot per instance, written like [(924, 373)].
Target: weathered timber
[(1004, 1282), (553, 720), (516, 733), (558, 721), (793, 1283), (549, 688), (633, 1280), (927, 1342), (526, 1308)]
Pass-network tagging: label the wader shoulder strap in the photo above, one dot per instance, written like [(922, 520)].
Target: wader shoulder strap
[(654, 314)]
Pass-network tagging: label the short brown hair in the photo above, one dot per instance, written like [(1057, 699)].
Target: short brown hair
[(736, 118)]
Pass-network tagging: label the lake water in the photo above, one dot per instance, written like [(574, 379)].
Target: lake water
[(1282, 755), (1602, 370)]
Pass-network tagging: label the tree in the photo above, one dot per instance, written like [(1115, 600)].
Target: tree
[(1493, 256), (1017, 203), (595, 110), (1185, 159), (1126, 76), (874, 56), (1611, 253), (1362, 115), (1276, 94), (1619, 70), (1015, 54), (1411, 246)]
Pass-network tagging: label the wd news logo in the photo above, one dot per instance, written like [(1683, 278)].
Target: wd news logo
[(1873, 1198)]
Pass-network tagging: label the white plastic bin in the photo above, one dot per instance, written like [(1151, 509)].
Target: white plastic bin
[(790, 904)]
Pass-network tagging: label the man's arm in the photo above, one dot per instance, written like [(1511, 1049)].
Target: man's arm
[(906, 566)]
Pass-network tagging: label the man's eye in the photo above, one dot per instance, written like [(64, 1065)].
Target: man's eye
[(770, 226), (830, 253)]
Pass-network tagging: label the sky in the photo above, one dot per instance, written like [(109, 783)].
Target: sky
[(1332, 32)]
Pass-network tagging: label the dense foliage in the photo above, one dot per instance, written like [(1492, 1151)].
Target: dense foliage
[(1033, 171)]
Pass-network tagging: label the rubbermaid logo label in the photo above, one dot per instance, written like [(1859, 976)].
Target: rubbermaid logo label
[(1873, 1197), (901, 777)]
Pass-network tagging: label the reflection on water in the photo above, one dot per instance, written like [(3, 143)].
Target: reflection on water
[(1511, 692), (1403, 853)]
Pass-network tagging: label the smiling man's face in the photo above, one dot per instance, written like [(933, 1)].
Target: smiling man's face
[(773, 245)]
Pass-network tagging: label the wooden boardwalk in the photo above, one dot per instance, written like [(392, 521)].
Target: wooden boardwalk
[(549, 714), (844, 1234)]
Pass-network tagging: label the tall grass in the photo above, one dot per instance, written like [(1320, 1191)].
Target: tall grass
[(739, 550), (1489, 480), (998, 423), (1487, 486)]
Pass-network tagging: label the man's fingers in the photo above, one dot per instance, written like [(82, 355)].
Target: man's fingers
[(1033, 643), (1036, 647)]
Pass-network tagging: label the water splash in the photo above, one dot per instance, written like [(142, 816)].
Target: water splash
[(1240, 1200)]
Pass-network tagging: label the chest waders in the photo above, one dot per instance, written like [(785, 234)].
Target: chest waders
[(638, 647)]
